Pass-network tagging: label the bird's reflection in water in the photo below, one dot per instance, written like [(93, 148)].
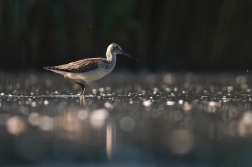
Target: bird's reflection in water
[(110, 138), (91, 129), (82, 100)]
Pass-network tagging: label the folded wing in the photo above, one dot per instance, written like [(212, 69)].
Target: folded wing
[(78, 66)]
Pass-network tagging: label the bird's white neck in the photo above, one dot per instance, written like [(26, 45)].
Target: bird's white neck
[(111, 57)]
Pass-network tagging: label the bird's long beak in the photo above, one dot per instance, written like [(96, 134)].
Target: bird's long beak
[(126, 54)]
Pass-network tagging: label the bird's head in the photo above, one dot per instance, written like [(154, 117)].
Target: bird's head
[(115, 48)]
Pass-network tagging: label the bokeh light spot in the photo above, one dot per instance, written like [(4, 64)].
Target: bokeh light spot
[(127, 123), (16, 125)]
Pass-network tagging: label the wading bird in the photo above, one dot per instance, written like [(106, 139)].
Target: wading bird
[(91, 68)]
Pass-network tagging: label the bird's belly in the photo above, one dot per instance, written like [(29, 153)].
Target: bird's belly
[(90, 75)]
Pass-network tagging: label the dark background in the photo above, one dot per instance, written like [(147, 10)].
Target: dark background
[(197, 35)]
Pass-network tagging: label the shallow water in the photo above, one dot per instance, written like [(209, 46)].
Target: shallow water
[(179, 119)]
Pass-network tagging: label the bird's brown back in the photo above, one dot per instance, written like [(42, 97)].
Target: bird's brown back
[(80, 66)]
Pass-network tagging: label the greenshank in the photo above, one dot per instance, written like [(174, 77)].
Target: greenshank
[(89, 69)]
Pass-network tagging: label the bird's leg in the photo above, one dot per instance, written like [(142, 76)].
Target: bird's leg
[(80, 84), (83, 88)]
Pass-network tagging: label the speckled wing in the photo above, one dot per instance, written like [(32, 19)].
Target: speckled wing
[(80, 66)]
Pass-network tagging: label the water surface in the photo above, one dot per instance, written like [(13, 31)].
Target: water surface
[(177, 119)]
